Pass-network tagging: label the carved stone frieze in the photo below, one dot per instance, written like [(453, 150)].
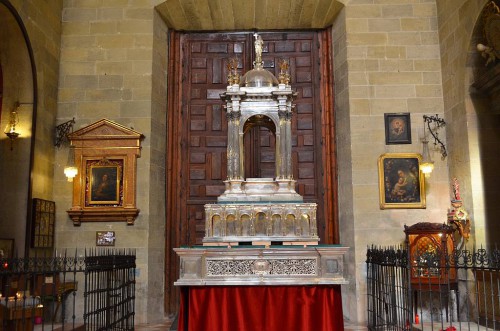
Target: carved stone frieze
[(245, 267), (254, 266)]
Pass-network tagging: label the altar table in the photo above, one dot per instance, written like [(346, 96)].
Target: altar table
[(261, 308)]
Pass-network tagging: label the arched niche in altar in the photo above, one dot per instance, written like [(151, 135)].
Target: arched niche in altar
[(259, 137)]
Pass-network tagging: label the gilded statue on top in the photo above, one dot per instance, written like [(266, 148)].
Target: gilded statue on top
[(259, 44)]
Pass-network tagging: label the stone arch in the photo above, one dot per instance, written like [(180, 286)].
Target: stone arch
[(217, 227), (232, 228), (19, 86), (276, 225), (260, 222), (289, 228), (481, 107), (246, 226), (305, 224)]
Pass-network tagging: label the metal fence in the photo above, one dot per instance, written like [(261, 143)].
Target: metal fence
[(92, 291), (432, 290)]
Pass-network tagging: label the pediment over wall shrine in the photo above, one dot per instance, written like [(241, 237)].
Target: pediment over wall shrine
[(105, 186)]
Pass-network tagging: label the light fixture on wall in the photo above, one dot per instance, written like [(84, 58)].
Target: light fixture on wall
[(10, 130), (62, 131), (427, 165), (70, 170)]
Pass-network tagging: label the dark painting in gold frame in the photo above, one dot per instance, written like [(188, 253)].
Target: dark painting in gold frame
[(401, 183), (104, 182), (43, 223)]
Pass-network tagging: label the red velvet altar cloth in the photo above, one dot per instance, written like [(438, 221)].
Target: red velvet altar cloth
[(261, 308)]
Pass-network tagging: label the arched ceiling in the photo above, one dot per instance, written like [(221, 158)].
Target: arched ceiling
[(223, 15)]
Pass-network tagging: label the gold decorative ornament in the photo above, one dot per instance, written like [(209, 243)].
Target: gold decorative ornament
[(233, 78), (284, 76)]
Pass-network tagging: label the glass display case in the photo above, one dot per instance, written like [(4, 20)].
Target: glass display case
[(431, 247)]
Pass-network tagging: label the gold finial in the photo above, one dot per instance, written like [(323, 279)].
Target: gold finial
[(284, 76), (233, 78)]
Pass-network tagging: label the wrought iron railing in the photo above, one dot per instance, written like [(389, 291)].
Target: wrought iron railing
[(92, 291), (433, 290)]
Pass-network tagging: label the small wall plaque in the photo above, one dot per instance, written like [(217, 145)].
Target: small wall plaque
[(105, 238)]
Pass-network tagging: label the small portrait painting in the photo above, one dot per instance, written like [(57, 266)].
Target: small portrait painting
[(397, 128), (104, 184), (401, 184)]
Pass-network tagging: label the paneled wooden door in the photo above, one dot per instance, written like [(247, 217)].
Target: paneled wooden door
[(197, 126)]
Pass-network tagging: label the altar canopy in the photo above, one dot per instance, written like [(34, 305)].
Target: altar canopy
[(261, 267)]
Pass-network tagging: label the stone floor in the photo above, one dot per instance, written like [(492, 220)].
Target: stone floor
[(153, 327), (167, 325)]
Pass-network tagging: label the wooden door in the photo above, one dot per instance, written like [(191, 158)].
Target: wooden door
[(204, 122), (197, 127)]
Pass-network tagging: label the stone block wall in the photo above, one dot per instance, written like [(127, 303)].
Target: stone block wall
[(113, 65), (388, 61), (109, 60)]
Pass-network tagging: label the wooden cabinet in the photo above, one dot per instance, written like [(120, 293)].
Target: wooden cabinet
[(430, 247)]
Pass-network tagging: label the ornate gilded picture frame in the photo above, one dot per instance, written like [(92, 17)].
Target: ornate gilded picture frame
[(43, 223), (104, 188), (401, 183), (397, 128)]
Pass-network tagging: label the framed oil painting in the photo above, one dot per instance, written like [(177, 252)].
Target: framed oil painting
[(401, 183), (6, 248), (43, 223), (104, 182), (397, 128)]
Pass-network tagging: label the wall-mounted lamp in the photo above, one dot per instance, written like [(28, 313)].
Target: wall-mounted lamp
[(427, 165), (10, 130), (62, 131), (70, 170)]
